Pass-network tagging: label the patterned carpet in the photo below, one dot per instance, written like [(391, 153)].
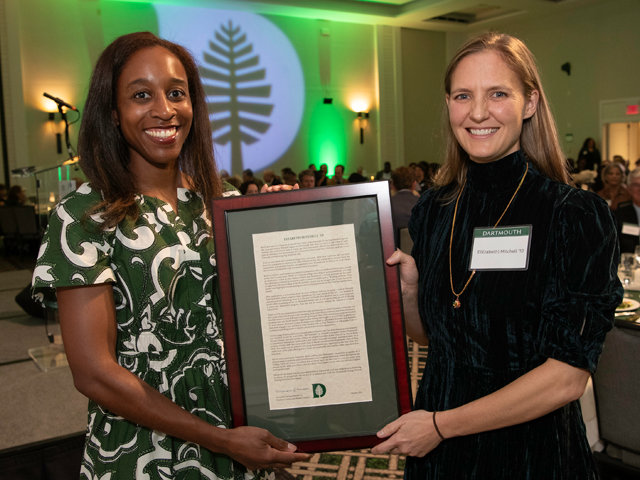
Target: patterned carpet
[(360, 464)]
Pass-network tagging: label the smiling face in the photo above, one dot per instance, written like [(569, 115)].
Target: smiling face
[(487, 106), (154, 110), (613, 176), (308, 182)]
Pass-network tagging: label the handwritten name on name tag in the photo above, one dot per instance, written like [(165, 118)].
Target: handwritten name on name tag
[(631, 229), (505, 248)]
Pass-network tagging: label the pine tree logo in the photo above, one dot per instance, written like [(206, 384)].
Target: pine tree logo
[(232, 64), (319, 390)]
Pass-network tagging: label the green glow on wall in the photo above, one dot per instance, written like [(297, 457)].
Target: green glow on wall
[(120, 18), (327, 137)]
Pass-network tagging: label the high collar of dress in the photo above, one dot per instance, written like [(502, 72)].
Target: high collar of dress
[(502, 175)]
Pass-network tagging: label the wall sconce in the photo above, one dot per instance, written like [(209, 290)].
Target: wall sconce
[(362, 118)]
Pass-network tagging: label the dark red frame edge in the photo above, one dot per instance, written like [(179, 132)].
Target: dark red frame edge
[(381, 191)]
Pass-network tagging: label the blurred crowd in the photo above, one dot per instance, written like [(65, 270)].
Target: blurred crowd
[(421, 173), (610, 179)]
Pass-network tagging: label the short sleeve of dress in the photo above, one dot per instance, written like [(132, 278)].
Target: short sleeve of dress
[(583, 290), (73, 252)]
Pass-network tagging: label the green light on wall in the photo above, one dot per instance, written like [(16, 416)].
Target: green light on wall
[(327, 137)]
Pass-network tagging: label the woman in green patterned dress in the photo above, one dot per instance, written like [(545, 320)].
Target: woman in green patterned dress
[(129, 260)]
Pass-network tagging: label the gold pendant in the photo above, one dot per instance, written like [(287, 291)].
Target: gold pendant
[(456, 303)]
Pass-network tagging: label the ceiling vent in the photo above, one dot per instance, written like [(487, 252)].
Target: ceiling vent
[(456, 17), (476, 14)]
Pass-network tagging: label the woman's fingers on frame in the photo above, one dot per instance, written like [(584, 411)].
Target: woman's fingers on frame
[(384, 447)]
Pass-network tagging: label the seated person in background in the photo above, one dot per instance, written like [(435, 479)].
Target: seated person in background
[(258, 182), (614, 191), (17, 197), (3, 194), (249, 188), (426, 182), (386, 173), (619, 159), (402, 184), (357, 177), (234, 180), (307, 179), (338, 178), (224, 174), (313, 168), (421, 179), (270, 178), (321, 176), (247, 175), (628, 215), (289, 177), (598, 184)]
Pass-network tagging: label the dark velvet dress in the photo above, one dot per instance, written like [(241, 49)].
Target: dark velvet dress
[(512, 321)]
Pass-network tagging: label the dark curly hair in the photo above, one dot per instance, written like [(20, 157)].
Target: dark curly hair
[(103, 151)]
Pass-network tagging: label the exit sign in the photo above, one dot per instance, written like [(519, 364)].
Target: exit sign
[(632, 109)]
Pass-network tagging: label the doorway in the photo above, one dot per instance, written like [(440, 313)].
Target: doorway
[(622, 139), (620, 123)]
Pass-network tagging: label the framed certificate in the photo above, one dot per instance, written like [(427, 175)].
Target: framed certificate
[(313, 330)]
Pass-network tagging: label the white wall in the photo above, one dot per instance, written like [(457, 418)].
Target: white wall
[(423, 65)]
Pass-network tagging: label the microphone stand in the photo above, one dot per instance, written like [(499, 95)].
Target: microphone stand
[(66, 130)]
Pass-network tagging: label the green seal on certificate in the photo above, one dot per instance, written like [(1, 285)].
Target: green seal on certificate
[(319, 390)]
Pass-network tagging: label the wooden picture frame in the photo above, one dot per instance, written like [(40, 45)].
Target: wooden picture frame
[(365, 206)]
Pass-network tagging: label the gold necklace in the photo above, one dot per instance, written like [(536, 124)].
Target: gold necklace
[(456, 302)]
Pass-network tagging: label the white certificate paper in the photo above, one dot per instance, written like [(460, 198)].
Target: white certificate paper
[(313, 332)]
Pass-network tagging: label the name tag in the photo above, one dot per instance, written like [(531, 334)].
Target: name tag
[(631, 229), (504, 248)]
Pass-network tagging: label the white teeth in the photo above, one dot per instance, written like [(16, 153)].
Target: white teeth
[(482, 131), (162, 133)]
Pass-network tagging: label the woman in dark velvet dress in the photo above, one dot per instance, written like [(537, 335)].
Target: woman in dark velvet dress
[(510, 351)]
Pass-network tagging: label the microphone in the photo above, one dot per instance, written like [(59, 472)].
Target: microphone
[(60, 102)]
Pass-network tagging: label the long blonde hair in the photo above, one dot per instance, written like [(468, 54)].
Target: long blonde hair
[(539, 137)]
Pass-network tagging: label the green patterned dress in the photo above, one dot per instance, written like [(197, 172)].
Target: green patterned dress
[(162, 267)]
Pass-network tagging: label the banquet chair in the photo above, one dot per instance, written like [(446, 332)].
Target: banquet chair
[(9, 228), (27, 222), (617, 392)]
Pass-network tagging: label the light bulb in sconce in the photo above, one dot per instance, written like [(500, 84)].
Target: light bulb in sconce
[(362, 119), (52, 197)]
